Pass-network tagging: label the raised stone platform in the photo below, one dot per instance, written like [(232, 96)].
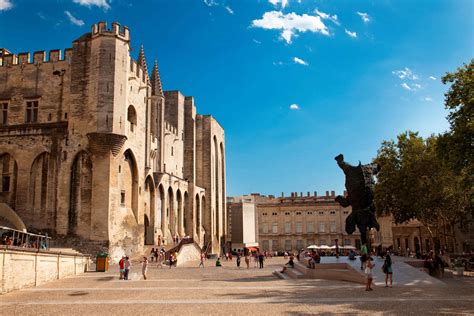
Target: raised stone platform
[(343, 269), (338, 271)]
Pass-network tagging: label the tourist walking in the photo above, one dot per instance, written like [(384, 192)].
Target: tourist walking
[(201, 263), (144, 267), (122, 267), (171, 260), (127, 266), (238, 260), (152, 254), (261, 257), (387, 269), (159, 259), (369, 266), (247, 260)]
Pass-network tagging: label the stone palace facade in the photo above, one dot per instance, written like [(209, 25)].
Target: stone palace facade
[(93, 150)]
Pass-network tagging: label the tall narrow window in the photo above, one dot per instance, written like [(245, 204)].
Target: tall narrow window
[(4, 113), (31, 111)]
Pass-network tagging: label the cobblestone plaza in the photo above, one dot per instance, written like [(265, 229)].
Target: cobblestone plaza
[(231, 291)]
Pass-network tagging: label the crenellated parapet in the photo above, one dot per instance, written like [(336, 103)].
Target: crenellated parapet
[(39, 57), (101, 29)]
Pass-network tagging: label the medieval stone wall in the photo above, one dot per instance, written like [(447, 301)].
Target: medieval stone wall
[(93, 149)]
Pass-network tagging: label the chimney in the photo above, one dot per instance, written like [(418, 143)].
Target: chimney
[(301, 194), (282, 194), (315, 194), (333, 194), (308, 194), (327, 193)]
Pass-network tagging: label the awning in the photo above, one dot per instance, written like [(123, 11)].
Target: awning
[(252, 248)]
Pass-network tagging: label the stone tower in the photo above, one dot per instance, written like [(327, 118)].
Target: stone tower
[(97, 154)]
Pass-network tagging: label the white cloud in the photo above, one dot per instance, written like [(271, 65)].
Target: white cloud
[(290, 24), (256, 41), (229, 9), (432, 78), (405, 73), (277, 63), (5, 5), (428, 99), (411, 87), (351, 34), (294, 106), (74, 20), (300, 61), (89, 3), (405, 86), (364, 16), (283, 3), (326, 16)]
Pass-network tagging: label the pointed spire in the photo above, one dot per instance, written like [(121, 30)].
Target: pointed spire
[(156, 88), (142, 60)]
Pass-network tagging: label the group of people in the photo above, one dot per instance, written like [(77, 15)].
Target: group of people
[(258, 257), (17, 242), (368, 266), (435, 264)]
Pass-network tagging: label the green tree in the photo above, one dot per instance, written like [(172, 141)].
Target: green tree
[(456, 147), (415, 183)]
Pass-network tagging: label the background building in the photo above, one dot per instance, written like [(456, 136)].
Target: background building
[(297, 221), (95, 153), (242, 222)]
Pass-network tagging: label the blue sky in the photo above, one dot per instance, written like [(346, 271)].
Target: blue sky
[(293, 82)]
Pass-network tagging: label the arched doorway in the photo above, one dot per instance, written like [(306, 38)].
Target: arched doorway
[(197, 209), (80, 207), (179, 225), (188, 216), (170, 212), (149, 210), (128, 182), (42, 197), (162, 211)]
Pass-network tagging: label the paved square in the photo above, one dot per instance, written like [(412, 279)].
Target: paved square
[(228, 290)]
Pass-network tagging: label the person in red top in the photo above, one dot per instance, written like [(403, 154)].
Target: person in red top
[(122, 267)]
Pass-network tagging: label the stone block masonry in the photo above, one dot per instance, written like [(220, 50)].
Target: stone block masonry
[(20, 268), (94, 152)]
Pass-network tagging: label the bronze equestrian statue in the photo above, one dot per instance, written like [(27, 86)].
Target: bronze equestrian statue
[(360, 195)]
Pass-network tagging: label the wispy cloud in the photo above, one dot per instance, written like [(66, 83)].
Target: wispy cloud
[(300, 61), (351, 34), (411, 87), (294, 106), (406, 73), (428, 99), (283, 3), (278, 63), (326, 16), (364, 16), (290, 24), (41, 15), (229, 9), (74, 20), (432, 78), (211, 3), (89, 3), (5, 5), (256, 41), (406, 86)]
